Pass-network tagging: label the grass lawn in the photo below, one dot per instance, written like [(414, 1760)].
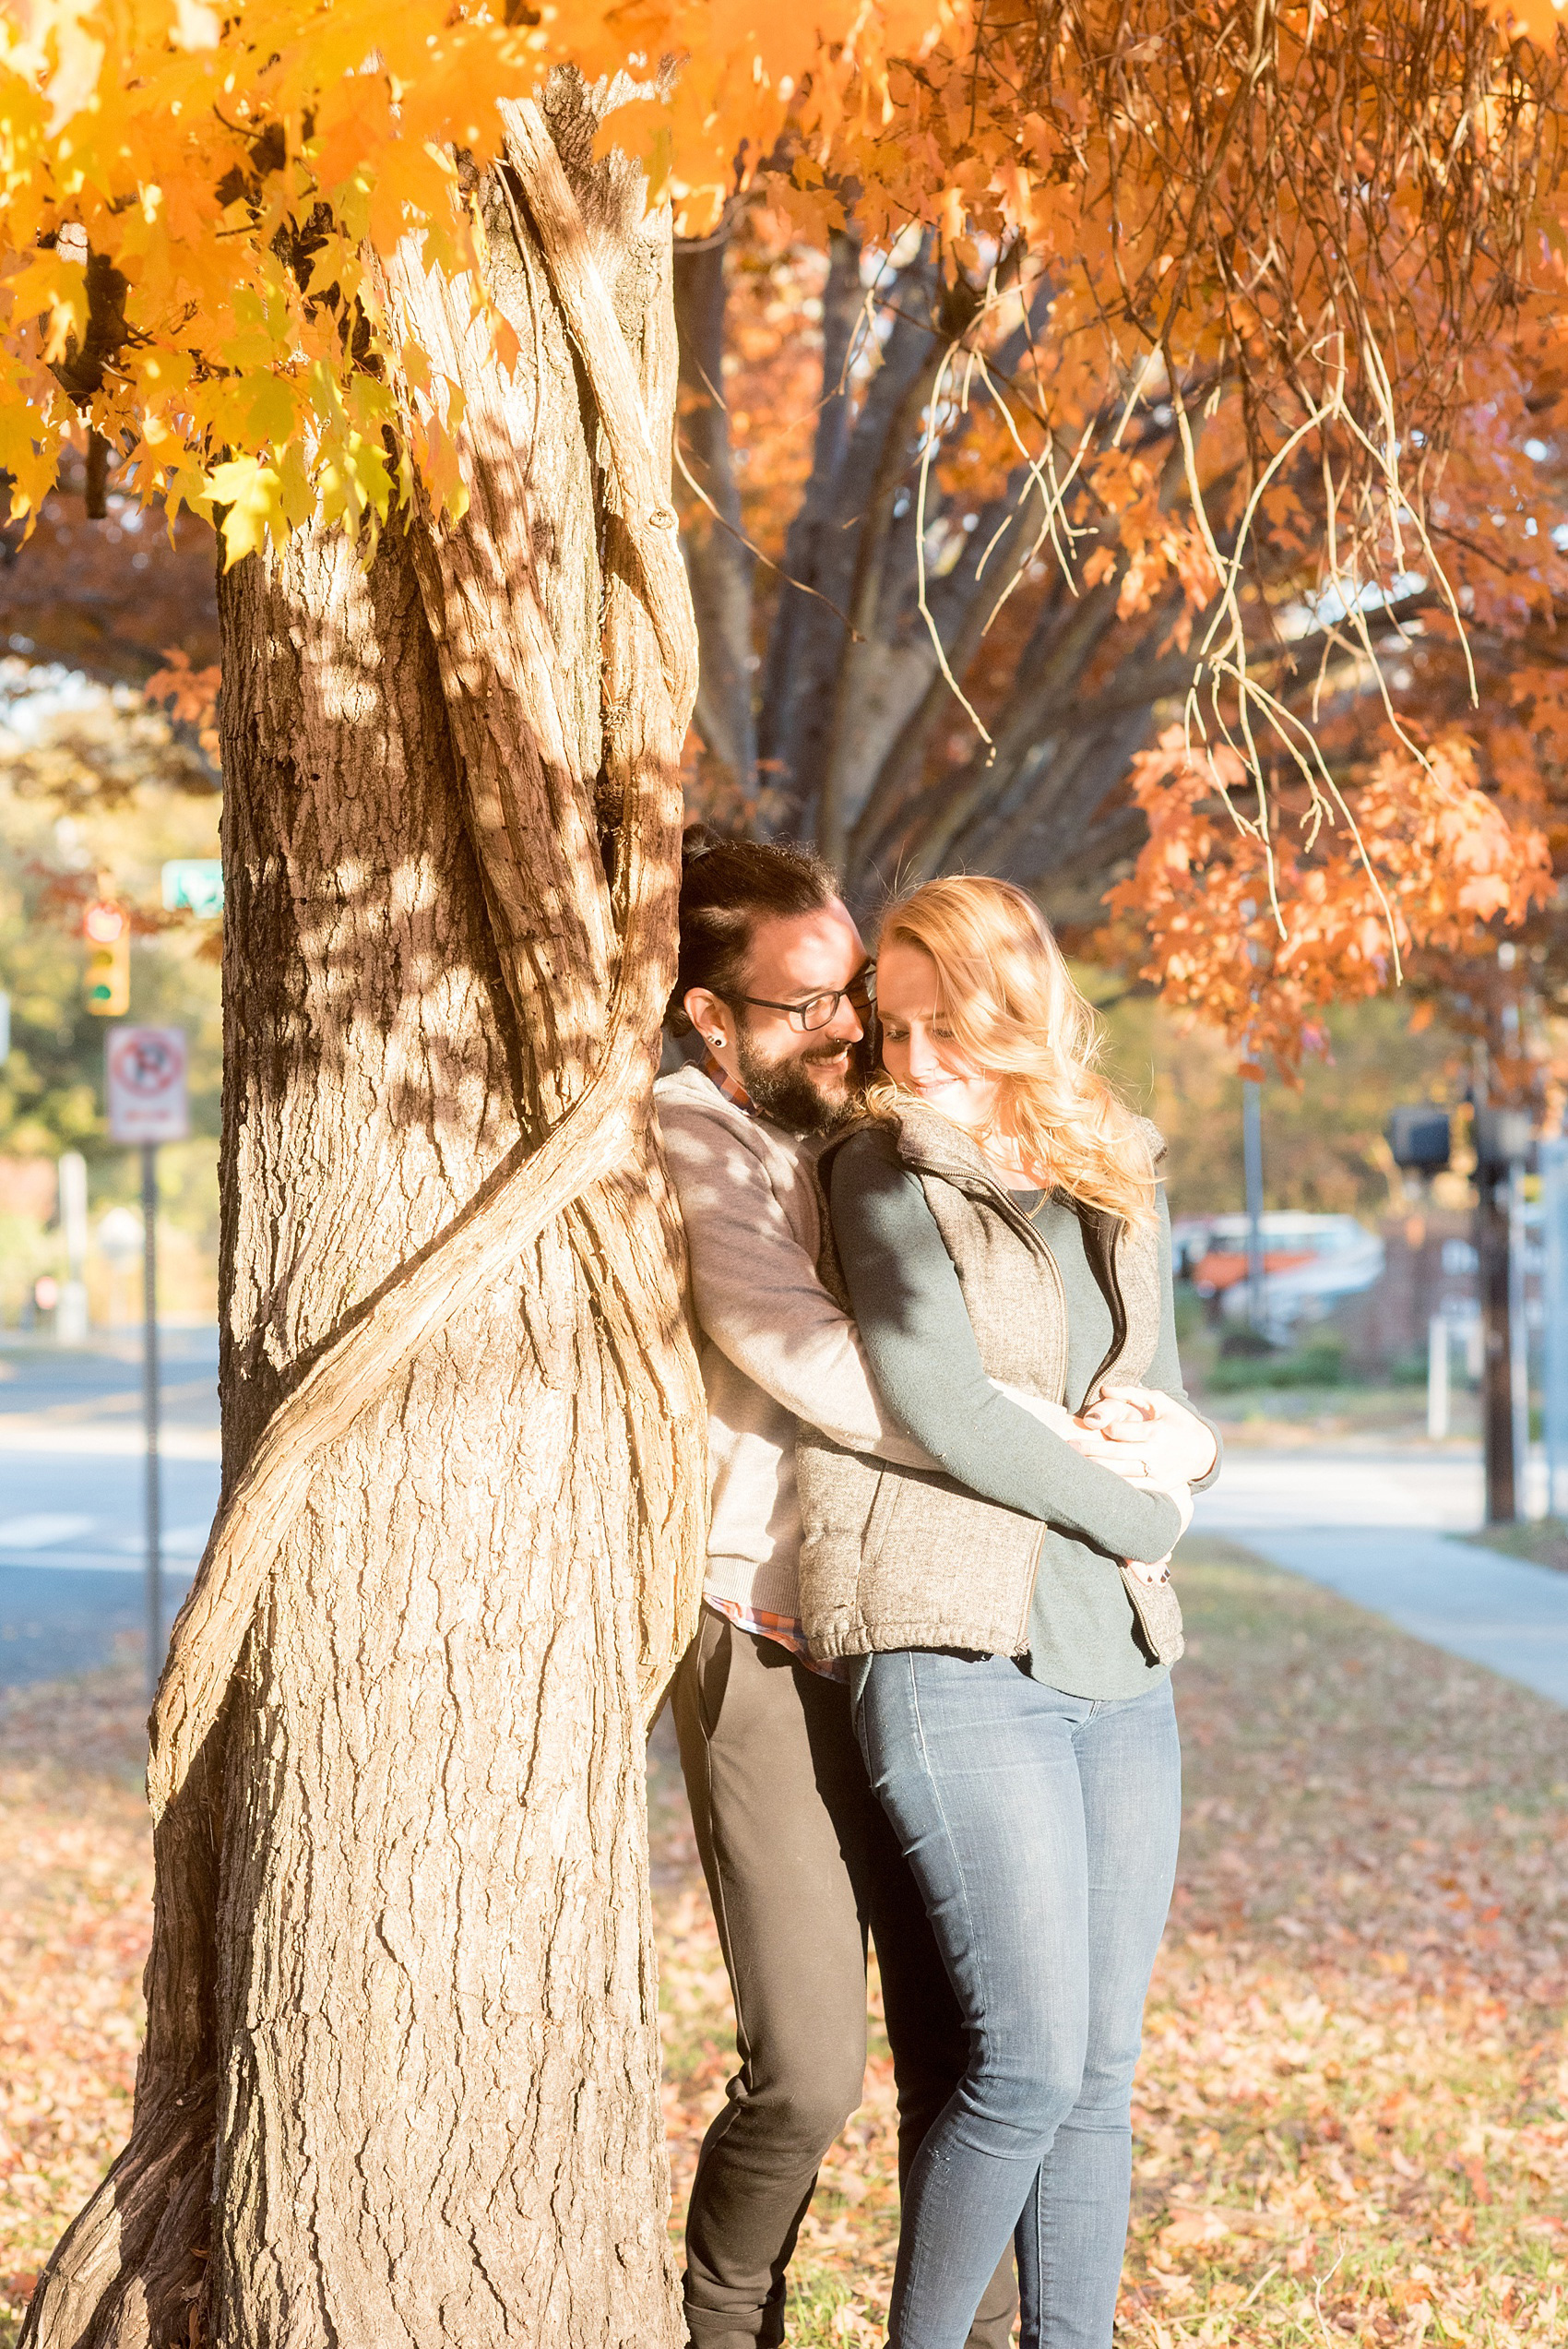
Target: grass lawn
[(1352, 2118), (1542, 1540), (1298, 1416), (76, 1891), (1352, 2112)]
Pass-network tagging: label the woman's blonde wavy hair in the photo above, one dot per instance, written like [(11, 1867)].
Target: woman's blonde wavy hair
[(1008, 997)]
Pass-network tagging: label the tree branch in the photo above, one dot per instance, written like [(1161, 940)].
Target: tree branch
[(719, 561), (651, 520), (804, 643), (960, 305)]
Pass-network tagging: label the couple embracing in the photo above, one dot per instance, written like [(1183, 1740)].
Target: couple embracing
[(930, 1698)]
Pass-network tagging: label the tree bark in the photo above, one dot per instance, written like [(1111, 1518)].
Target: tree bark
[(400, 2079)]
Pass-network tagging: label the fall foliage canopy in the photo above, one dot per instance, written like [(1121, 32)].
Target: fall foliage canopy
[(1212, 312)]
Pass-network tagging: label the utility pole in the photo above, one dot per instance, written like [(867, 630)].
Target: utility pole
[(1553, 1160), (1503, 1142)]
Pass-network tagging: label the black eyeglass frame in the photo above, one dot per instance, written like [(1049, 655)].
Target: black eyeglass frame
[(863, 985)]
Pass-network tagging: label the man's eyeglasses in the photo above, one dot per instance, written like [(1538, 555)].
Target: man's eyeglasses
[(819, 1011)]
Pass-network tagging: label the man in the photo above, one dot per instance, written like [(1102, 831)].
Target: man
[(799, 1858)]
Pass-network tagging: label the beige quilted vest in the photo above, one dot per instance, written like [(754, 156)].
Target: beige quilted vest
[(904, 1558)]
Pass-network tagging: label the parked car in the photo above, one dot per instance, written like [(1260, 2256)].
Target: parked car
[(1310, 1263)]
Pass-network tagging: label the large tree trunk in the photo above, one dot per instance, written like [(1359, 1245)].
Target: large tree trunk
[(400, 2080)]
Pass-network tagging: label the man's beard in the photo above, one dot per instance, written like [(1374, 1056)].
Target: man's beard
[(781, 1091)]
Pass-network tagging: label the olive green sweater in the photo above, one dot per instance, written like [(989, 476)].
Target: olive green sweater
[(920, 1348)]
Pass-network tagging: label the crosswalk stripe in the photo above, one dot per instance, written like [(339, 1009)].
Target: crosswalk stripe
[(180, 1541), (40, 1527)]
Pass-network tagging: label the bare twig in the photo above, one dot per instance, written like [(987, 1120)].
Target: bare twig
[(752, 547)]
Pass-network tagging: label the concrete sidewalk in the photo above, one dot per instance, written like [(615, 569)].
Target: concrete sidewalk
[(1374, 1526)]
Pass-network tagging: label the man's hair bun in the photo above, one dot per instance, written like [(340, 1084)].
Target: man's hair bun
[(697, 841)]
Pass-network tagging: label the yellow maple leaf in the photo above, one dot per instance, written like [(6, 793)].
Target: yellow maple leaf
[(249, 493), (51, 287)]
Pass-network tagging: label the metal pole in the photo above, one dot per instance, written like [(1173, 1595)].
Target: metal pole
[(1437, 1379), (1492, 1187), (1518, 1341), (70, 1316), (1554, 1328), (1251, 1162), (150, 1377)]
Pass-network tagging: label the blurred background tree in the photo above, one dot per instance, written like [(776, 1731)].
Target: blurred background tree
[(1324, 1148), (952, 617)]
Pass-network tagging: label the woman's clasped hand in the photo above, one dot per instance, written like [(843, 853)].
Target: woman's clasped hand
[(1149, 1439), (1171, 1444)]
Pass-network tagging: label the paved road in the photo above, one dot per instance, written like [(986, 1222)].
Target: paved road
[(71, 1554), (1376, 1526)]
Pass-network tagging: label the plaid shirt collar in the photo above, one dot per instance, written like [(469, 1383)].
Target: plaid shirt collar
[(730, 1087)]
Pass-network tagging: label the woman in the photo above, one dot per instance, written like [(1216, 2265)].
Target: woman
[(1004, 1246)]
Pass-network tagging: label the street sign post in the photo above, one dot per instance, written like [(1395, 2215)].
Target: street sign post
[(145, 1089), (1421, 1138)]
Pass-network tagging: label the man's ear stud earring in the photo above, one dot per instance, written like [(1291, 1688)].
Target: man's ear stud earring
[(718, 1036)]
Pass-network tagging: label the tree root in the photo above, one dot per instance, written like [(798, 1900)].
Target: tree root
[(131, 2268)]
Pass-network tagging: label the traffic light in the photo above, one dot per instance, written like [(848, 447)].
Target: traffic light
[(108, 983), (1419, 1138)]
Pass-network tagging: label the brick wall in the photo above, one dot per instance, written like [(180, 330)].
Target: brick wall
[(1427, 1268)]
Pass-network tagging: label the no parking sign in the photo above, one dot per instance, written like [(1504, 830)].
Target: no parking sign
[(147, 1085)]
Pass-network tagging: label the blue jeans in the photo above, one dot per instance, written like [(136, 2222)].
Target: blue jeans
[(1042, 1830)]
